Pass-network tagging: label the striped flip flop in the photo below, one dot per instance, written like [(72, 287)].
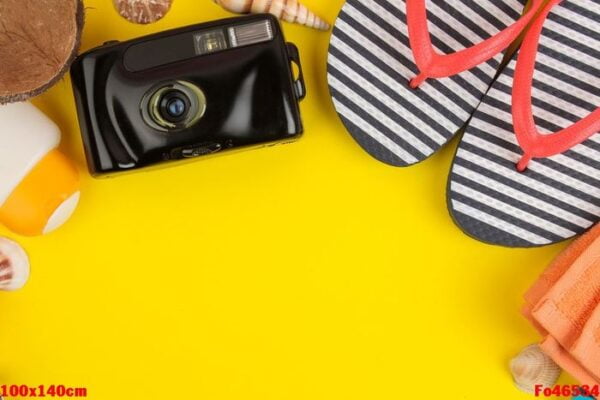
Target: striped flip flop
[(371, 63), (550, 191)]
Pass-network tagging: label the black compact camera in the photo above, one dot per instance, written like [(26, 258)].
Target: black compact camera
[(188, 93)]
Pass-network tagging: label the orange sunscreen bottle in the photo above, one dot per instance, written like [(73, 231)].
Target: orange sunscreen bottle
[(39, 186)]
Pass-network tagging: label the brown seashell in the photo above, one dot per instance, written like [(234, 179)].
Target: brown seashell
[(533, 367), (39, 40), (143, 11), (14, 265), (286, 10)]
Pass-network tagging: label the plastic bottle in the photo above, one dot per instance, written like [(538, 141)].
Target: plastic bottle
[(39, 186)]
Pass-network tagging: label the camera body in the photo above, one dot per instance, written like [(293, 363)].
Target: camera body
[(187, 93)]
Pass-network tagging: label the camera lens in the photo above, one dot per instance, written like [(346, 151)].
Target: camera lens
[(174, 106)]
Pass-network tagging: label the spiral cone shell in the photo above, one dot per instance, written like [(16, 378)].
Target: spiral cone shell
[(286, 10)]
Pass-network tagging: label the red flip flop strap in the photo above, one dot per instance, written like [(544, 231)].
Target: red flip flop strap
[(434, 65), (534, 144)]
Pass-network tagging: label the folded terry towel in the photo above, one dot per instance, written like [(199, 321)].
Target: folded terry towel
[(564, 306)]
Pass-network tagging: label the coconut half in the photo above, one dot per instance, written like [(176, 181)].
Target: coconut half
[(39, 40)]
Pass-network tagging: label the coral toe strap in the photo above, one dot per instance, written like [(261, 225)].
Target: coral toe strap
[(434, 65), (534, 144)]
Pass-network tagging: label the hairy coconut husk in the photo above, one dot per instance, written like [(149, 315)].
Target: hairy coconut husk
[(39, 40)]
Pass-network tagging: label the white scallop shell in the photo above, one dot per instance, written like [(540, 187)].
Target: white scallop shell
[(14, 265), (533, 367), (143, 11)]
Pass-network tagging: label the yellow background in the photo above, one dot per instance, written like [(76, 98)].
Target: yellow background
[(308, 271)]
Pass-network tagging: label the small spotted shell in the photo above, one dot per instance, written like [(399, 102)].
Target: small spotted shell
[(286, 10), (533, 367), (143, 11), (14, 265)]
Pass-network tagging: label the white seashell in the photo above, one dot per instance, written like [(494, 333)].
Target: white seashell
[(14, 265), (286, 10), (533, 367), (143, 11)]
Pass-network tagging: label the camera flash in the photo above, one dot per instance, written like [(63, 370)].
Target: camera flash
[(210, 42), (256, 32)]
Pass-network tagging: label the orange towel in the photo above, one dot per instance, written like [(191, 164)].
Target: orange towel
[(564, 306)]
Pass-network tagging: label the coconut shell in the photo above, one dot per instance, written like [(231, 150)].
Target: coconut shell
[(39, 40)]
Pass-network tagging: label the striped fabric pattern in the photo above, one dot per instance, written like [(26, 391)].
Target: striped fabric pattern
[(370, 63), (557, 197)]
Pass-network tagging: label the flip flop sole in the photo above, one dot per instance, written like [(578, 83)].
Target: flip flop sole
[(555, 198), (370, 63)]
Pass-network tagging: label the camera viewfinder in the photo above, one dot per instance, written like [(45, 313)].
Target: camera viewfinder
[(210, 42)]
